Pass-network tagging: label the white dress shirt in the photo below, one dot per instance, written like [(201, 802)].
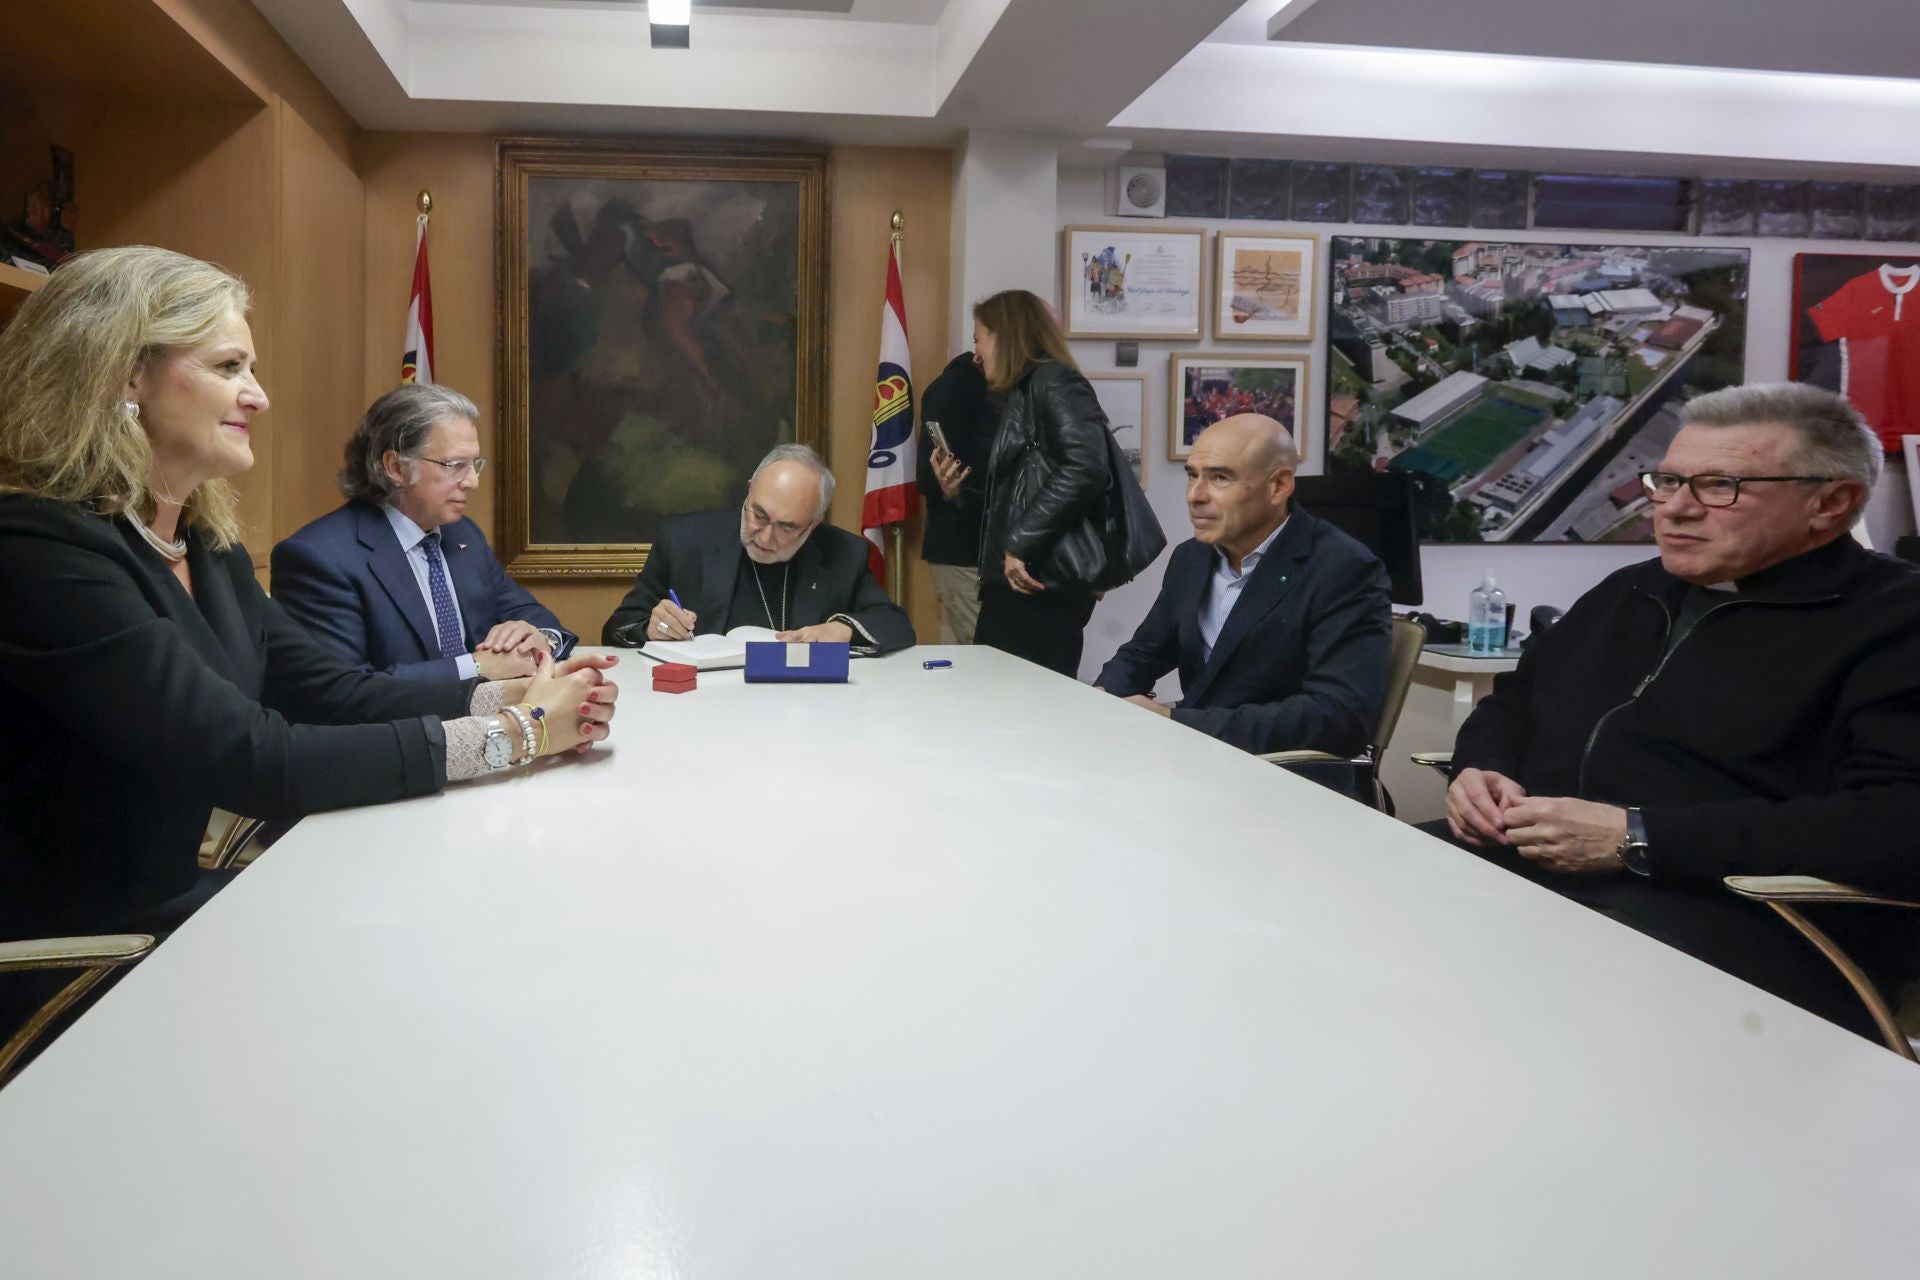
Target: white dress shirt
[(1224, 591), (412, 543)]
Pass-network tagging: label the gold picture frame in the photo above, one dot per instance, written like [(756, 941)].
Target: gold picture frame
[(1265, 286), (662, 323)]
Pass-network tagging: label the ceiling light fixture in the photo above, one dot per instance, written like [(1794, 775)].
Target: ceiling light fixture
[(669, 23)]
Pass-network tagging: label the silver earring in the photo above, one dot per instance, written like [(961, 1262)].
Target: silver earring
[(133, 409)]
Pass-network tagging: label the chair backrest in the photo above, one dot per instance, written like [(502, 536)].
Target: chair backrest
[(1408, 639)]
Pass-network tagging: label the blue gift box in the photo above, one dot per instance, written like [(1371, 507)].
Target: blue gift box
[(776, 662)]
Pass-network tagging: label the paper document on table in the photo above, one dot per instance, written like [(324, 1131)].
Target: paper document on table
[(709, 652)]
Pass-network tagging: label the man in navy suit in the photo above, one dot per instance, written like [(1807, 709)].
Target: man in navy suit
[(1278, 623), (398, 579)]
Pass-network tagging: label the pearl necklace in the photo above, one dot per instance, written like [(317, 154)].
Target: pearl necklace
[(174, 552)]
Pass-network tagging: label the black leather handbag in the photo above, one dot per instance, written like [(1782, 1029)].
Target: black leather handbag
[(1117, 539)]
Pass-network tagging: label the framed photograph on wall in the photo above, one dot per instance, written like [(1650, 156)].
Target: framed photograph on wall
[(1523, 386), (1851, 333), (1263, 287), (663, 321), (1123, 398), (1912, 446), (1207, 386), (1132, 282)]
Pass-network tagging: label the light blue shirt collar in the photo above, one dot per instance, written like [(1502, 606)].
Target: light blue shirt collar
[(410, 534)]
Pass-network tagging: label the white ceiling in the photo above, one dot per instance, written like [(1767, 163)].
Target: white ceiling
[(1750, 86)]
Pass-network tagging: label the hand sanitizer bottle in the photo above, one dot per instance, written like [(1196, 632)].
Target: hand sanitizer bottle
[(1487, 618)]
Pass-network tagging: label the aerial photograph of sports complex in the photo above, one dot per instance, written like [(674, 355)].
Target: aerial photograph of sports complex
[(1525, 386)]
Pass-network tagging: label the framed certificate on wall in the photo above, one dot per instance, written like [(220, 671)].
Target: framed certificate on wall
[(1132, 282)]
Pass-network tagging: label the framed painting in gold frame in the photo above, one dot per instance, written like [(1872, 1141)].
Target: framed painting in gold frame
[(662, 324)]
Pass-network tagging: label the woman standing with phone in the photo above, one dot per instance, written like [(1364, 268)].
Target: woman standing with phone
[(1047, 476)]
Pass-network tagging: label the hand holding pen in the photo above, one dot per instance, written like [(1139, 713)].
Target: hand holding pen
[(670, 620)]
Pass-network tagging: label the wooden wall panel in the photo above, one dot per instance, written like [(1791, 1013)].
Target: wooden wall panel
[(318, 373)]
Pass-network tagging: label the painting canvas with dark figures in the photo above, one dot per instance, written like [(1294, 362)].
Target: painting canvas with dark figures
[(670, 323), (1524, 387)]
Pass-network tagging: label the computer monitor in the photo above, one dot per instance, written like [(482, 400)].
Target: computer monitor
[(1376, 510)]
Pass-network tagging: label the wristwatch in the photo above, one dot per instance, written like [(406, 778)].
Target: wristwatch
[(1633, 849), (498, 748)]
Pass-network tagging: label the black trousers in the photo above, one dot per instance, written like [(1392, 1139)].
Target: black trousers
[(1048, 627), (1731, 933)]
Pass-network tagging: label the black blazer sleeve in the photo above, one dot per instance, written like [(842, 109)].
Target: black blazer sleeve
[(1071, 428), (873, 614), (79, 631), (1154, 649), (1349, 643), (628, 625)]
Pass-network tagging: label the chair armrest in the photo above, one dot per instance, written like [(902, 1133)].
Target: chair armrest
[(1441, 760), (105, 951), (1302, 757), (1806, 889)]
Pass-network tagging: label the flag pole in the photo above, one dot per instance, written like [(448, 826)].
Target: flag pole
[(896, 561)]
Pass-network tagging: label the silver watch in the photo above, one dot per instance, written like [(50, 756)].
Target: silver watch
[(1633, 846), (498, 748)]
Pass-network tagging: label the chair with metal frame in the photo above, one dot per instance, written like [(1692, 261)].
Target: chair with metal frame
[(1407, 640), (95, 957), (1898, 1020)]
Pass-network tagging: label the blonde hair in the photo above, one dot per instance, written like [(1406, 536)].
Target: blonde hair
[(1024, 333), (65, 361)]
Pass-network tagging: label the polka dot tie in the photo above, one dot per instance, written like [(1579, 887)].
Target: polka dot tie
[(445, 619)]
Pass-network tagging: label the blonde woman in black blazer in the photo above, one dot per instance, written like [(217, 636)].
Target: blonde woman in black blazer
[(150, 679)]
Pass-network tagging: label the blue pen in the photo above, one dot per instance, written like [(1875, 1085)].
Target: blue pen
[(935, 664), (675, 597)]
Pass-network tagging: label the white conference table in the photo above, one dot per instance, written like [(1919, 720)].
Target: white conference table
[(951, 974)]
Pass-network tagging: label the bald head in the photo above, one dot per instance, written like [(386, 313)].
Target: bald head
[(1239, 481)]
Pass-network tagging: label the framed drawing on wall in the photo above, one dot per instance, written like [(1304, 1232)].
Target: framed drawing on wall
[(1129, 282), (1123, 398), (1206, 386), (1263, 287), (662, 325)]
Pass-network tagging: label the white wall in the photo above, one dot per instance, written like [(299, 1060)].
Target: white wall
[(1004, 210), (1542, 574)]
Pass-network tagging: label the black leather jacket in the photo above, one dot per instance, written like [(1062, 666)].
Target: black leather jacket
[(1048, 473)]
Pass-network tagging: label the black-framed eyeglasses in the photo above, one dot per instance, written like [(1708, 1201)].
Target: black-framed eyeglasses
[(1712, 490), (783, 530), (456, 467)]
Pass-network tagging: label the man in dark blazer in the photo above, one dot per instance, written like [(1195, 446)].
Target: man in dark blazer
[(398, 579), (1278, 623), (771, 564)]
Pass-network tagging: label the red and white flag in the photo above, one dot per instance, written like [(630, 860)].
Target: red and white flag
[(417, 364), (890, 462)]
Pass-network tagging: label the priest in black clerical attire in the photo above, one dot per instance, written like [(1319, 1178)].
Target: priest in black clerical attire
[(773, 564)]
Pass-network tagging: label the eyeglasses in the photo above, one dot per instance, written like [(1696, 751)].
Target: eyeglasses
[(457, 468), (1712, 490), (784, 530)]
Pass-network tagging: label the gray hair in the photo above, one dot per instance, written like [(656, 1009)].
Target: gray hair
[(1834, 439), (400, 420), (808, 458)]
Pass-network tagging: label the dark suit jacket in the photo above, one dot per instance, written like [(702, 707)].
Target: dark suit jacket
[(1301, 663), (345, 578), (141, 708), (698, 556)]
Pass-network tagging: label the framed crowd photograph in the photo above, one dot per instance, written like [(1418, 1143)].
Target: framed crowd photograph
[(1263, 287), (662, 324), (1206, 386), (1132, 282), (1123, 398)]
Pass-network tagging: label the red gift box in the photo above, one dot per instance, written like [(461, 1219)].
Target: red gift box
[(675, 677)]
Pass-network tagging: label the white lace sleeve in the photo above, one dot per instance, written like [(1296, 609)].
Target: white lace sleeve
[(466, 741), (488, 695)]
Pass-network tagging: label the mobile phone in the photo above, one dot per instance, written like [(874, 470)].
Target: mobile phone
[(939, 436)]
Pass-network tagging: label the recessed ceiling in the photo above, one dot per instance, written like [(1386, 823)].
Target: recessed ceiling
[(1832, 37)]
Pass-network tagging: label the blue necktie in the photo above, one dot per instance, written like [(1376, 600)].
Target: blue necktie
[(445, 620)]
